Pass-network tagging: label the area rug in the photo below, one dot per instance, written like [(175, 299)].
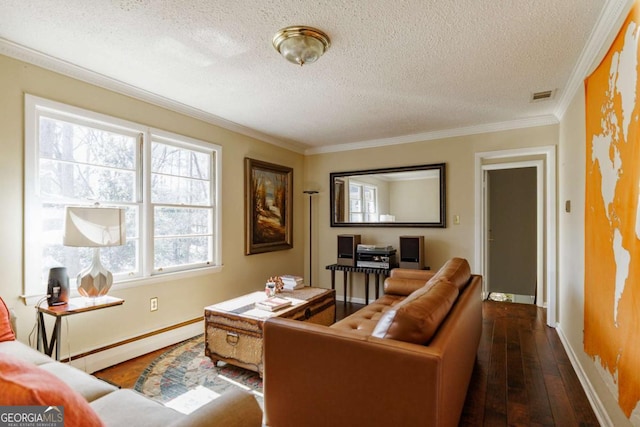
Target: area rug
[(184, 378)]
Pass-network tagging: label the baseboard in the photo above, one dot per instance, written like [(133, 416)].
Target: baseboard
[(596, 404), (340, 299), (129, 349)]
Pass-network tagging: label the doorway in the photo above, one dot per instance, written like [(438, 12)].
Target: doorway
[(543, 159), (512, 234)]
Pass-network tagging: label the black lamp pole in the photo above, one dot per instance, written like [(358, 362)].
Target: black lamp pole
[(310, 193)]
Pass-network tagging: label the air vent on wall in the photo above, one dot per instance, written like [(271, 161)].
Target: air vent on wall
[(542, 96)]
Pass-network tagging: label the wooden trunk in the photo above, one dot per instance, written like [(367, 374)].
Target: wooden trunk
[(233, 329)]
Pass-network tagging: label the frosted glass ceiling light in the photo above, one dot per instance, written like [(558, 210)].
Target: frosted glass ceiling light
[(301, 45)]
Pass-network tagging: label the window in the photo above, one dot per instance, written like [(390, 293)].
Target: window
[(363, 202), (168, 185)]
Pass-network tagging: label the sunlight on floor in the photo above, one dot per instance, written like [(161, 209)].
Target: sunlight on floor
[(522, 299), (192, 400), (199, 396)]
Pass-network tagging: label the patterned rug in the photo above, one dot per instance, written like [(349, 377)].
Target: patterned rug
[(184, 378)]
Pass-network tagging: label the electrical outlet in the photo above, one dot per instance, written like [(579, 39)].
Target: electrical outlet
[(154, 303)]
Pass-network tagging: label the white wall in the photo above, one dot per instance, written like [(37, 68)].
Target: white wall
[(572, 164), (441, 244), (408, 208), (571, 249), (179, 300), (184, 300)]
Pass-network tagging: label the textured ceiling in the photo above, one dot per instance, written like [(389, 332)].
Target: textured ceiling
[(394, 68)]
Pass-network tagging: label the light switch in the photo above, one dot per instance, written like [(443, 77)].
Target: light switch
[(567, 206), (456, 219)]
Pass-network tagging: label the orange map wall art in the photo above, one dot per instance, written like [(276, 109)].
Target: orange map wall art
[(612, 218)]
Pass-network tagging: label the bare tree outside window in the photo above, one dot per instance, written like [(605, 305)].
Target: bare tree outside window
[(76, 157)]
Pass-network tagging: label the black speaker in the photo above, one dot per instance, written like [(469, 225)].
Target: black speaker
[(347, 246), (412, 252), (58, 286)]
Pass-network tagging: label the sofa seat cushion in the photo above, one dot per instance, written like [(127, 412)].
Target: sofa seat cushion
[(88, 386), (24, 352), (416, 319), (6, 333), (456, 270), (25, 384), (363, 321), (127, 407)]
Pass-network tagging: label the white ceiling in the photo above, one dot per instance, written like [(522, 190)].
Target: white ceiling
[(395, 69)]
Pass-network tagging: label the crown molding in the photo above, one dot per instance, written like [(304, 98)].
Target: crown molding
[(609, 18), (441, 134), (608, 21), (31, 56)]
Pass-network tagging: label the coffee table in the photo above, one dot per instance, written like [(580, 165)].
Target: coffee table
[(233, 328)]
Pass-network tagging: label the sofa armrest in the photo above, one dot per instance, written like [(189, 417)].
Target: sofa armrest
[(235, 408), (313, 373)]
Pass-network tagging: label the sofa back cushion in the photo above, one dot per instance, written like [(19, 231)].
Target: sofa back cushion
[(417, 319), (25, 384), (456, 270), (6, 333)]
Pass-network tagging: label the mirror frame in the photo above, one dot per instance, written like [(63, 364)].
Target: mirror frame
[(441, 167)]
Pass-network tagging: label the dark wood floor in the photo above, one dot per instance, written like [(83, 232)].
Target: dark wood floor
[(522, 376)]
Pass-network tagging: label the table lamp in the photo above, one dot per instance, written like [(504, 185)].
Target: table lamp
[(94, 227)]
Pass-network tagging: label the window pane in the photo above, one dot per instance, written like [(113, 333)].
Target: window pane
[(85, 182), (170, 160), (172, 221), (120, 259), (176, 190), (117, 259), (81, 157), (81, 162), (76, 143), (369, 194), (180, 251)]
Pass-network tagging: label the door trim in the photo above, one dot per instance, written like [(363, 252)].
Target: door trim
[(539, 165), (546, 169)]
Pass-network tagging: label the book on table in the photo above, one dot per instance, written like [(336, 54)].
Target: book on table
[(273, 304), (291, 282)]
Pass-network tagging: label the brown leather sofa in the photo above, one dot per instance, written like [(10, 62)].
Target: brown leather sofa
[(404, 360)]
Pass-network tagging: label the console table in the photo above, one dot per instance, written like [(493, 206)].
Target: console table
[(384, 272)]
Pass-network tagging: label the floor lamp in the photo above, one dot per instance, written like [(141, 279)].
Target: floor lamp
[(310, 193)]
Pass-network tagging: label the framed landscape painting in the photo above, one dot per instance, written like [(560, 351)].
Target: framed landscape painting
[(268, 207)]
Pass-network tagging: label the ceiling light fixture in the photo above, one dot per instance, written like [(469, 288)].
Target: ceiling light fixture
[(301, 45)]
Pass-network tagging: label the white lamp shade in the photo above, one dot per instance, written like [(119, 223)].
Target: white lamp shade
[(93, 227)]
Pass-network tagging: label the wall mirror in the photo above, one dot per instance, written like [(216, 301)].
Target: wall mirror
[(408, 196)]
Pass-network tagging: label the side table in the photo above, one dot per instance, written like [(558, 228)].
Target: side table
[(74, 306)]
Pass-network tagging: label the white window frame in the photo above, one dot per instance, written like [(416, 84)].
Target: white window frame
[(34, 108)]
